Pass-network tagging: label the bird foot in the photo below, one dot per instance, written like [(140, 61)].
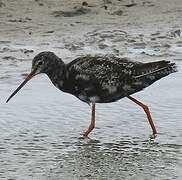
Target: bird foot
[(87, 132), (83, 137), (84, 134), (153, 136)]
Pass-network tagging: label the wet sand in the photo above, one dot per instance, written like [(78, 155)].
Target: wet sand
[(40, 127)]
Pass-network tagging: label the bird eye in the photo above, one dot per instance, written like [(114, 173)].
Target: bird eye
[(40, 63)]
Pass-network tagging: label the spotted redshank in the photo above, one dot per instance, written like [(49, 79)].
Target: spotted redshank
[(100, 79)]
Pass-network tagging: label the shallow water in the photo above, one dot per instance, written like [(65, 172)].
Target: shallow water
[(40, 130), (40, 127)]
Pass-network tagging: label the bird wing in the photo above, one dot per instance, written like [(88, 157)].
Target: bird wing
[(157, 69), (110, 78), (100, 76), (107, 69)]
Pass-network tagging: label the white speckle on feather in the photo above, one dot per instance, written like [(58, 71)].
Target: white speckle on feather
[(152, 78), (76, 88), (111, 89), (82, 76), (125, 71), (130, 65), (82, 97), (76, 67), (129, 72), (138, 83), (94, 99), (88, 88), (127, 87)]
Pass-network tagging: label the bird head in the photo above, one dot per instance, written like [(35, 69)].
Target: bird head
[(43, 62)]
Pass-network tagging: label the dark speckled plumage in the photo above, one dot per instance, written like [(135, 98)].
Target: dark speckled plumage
[(102, 79)]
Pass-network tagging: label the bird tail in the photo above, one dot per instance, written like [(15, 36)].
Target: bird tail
[(157, 70)]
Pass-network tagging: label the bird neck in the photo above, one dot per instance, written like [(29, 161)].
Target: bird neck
[(57, 73)]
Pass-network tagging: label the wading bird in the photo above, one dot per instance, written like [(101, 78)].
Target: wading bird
[(100, 79)]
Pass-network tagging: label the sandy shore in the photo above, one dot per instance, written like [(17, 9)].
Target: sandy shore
[(69, 28), (142, 30)]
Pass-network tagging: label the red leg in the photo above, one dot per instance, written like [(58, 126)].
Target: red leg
[(92, 123), (146, 109)]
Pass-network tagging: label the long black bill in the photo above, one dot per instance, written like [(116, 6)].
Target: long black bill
[(21, 85)]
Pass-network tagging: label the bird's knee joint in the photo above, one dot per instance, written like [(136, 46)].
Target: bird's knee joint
[(146, 108), (92, 126)]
